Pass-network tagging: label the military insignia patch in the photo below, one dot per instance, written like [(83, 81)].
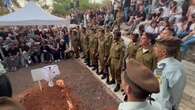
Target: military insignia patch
[(159, 70)]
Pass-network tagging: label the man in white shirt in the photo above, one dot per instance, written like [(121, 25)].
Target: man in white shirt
[(139, 83)]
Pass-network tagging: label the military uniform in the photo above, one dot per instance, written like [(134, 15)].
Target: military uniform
[(171, 75), (132, 49), (108, 40), (116, 59), (86, 48), (146, 57), (93, 47), (82, 41), (85, 43), (102, 51), (75, 41), (138, 76), (119, 18)]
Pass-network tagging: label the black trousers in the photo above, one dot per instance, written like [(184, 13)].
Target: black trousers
[(56, 55), (47, 56), (36, 57), (62, 55), (5, 86)]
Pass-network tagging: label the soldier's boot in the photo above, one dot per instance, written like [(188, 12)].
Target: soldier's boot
[(88, 62), (100, 73), (97, 69), (111, 82), (85, 61), (103, 76), (93, 67), (107, 80), (117, 88), (83, 57), (77, 55)]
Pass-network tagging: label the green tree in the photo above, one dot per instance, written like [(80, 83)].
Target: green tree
[(64, 7), (61, 7)]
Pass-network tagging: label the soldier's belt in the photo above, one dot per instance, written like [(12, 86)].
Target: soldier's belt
[(115, 58)]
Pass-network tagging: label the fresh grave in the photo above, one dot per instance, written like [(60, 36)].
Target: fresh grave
[(50, 98), (49, 95)]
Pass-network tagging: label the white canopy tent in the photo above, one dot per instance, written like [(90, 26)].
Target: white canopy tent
[(32, 14)]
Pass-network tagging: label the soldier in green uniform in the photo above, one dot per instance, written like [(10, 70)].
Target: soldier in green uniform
[(119, 18), (101, 49), (116, 59), (84, 42), (145, 53), (75, 41), (108, 43), (93, 48), (102, 52), (79, 36), (85, 45), (132, 48), (83, 35)]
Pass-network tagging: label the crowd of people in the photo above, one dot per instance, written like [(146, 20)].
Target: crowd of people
[(149, 67), (22, 46)]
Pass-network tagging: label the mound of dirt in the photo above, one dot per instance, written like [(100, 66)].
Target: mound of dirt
[(54, 98)]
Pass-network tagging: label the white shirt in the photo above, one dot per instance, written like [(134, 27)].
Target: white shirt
[(117, 4), (166, 12), (192, 27), (172, 78), (150, 29), (138, 106), (2, 69), (178, 14), (145, 50)]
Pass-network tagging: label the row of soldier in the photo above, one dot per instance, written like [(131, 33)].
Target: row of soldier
[(105, 51)]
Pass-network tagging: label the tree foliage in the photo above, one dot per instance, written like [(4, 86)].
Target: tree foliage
[(64, 7), (61, 7)]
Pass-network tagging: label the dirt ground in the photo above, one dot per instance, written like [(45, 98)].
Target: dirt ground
[(54, 98), (89, 93)]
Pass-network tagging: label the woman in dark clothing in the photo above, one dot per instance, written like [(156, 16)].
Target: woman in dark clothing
[(55, 50), (13, 60), (45, 50), (66, 37)]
